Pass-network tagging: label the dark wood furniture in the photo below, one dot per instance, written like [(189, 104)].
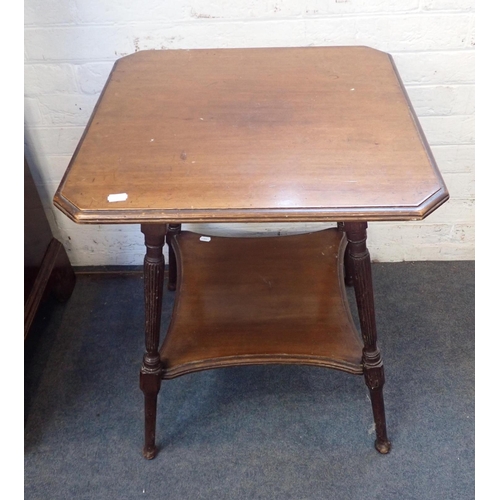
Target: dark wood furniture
[(46, 265), (255, 135)]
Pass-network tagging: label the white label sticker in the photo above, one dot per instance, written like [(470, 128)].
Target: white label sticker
[(205, 238), (117, 197)]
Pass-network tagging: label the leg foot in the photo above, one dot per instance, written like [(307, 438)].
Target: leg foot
[(375, 379), (149, 453), (383, 447)]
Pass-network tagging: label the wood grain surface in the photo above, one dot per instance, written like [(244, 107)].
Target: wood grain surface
[(274, 134), (259, 301)]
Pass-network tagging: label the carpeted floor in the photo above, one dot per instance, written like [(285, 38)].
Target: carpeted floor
[(263, 432)]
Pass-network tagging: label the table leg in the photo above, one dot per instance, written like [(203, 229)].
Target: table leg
[(372, 362), (172, 261), (151, 369)]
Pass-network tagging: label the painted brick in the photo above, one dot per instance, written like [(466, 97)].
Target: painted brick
[(417, 232), (455, 209), (67, 109), (435, 68), (30, 80), (99, 12), (460, 185), (402, 32), (52, 140), (448, 129), (49, 169), (455, 158), (49, 78), (92, 77), (101, 43), (32, 114), (48, 12), (416, 241), (453, 5), (217, 34), (77, 43), (201, 9), (409, 32), (435, 100), (463, 233), (441, 252), (96, 12)]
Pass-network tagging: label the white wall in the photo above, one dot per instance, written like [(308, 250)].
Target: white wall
[(70, 47)]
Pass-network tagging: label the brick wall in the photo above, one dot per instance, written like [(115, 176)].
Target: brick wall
[(70, 48)]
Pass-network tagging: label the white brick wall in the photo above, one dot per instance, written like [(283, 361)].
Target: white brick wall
[(70, 48)]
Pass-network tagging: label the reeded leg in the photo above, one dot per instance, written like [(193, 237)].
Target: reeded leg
[(172, 261), (372, 361), (151, 375)]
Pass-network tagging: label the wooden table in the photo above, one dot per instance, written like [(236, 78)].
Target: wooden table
[(255, 135)]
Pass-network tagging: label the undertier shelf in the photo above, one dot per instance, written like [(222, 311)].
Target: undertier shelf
[(266, 300)]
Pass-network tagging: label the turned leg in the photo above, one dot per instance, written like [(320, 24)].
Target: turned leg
[(372, 362), (172, 261), (151, 370)]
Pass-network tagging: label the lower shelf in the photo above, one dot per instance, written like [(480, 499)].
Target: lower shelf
[(270, 300)]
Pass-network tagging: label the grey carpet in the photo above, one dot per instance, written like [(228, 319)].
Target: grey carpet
[(263, 432)]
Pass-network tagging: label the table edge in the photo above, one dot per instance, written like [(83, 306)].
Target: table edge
[(318, 214)]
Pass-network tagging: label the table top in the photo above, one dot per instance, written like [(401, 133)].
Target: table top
[(266, 134)]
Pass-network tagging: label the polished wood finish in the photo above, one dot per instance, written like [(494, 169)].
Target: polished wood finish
[(255, 135), (274, 121), (258, 301)]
